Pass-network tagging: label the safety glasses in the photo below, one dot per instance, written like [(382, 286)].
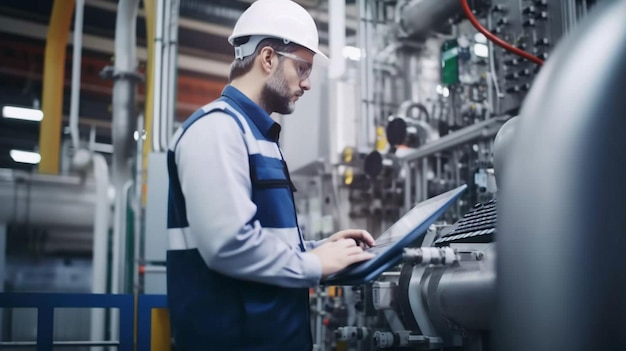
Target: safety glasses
[(303, 67)]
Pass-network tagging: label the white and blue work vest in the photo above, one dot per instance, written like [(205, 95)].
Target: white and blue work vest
[(212, 311)]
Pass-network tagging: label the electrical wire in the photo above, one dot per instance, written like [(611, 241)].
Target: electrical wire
[(495, 39)]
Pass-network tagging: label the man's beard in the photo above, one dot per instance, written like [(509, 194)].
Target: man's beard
[(275, 95)]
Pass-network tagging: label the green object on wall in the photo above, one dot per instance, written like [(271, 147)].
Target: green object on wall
[(450, 62)]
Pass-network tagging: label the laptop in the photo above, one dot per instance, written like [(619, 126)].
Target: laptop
[(391, 243)]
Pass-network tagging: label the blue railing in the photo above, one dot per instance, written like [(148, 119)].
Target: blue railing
[(46, 303)]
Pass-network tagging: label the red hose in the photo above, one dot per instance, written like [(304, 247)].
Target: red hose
[(495, 39)]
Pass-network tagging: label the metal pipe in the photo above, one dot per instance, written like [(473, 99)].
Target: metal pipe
[(164, 99), (406, 168), (465, 294), (420, 17), (363, 130), (51, 200), (102, 221), (172, 69), (124, 91), (424, 184), (337, 38), (481, 130), (52, 94), (137, 208), (150, 17), (157, 71), (77, 45), (418, 182), (369, 59)]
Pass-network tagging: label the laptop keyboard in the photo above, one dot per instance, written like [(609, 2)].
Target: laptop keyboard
[(476, 226)]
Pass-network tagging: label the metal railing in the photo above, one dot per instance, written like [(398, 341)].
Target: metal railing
[(45, 303)]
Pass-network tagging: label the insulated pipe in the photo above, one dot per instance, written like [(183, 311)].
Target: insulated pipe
[(77, 45), (53, 78), (157, 71), (561, 242), (102, 222), (46, 200)]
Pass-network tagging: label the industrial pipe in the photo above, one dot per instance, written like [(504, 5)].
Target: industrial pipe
[(364, 139), (77, 45), (465, 294), (124, 99), (46, 200), (150, 16), (337, 38), (101, 225), (561, 232), (157, 72), (418, 18), (168, 115), (53, 78), (164, 99)]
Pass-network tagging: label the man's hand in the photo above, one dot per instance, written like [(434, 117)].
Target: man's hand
[(338, 254), (360, 236)]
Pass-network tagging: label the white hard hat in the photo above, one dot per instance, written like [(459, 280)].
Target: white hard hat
[(282, 19)]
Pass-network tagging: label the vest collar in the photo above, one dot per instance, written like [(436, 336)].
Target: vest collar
[(259, 117)]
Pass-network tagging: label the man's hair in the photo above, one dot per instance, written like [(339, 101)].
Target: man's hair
[(240, 67)]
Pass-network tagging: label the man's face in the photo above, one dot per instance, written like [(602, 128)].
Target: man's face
[(288, 82)]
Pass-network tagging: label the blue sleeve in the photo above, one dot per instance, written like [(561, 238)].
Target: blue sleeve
[(213, 167)]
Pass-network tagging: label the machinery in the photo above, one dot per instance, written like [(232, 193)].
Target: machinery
[(445, 295)]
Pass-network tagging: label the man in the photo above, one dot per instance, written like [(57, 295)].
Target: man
[(238, 268)]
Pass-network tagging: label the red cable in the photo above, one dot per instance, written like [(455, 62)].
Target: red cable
[(495, 39)]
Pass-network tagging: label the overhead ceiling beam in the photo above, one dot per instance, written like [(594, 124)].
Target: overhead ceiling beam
[(182, 22), (98, 44), (211, 28)]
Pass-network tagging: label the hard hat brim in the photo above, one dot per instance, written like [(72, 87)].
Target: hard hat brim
[(320, 58)]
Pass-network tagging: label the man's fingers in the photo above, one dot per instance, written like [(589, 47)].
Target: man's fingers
[(362, 236), (347, 242), (368, 238), (354, 250)]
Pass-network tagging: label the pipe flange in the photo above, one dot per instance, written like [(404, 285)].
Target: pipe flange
[(109, 72)]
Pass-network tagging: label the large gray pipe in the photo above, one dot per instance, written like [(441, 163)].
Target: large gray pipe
[(124, 118), (462, 295), (562, 214), (418, 18), (466, 295), (43, 200)]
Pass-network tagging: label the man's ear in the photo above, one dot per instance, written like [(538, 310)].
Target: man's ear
[(266, 59)]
